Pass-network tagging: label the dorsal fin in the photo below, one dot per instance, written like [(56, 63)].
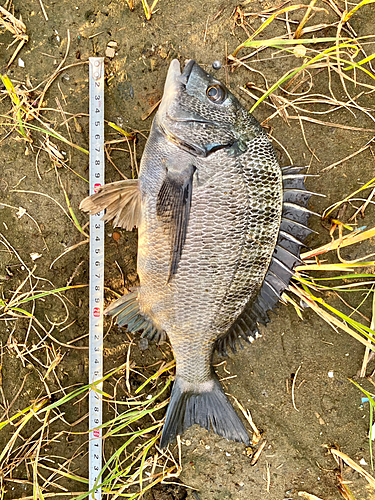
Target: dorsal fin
[(121, 200), (292, 232)]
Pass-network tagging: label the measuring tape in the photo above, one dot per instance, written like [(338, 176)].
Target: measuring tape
[(96, 295)]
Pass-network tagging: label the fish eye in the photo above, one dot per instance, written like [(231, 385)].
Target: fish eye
[(216, 93)]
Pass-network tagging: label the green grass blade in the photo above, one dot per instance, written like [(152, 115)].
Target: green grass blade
[(14, 98), (291, 73), (22, 311), (280, 42), (49, 292), (354, 9), (51, 133)]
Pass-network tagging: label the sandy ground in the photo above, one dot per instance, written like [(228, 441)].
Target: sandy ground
[(327, 409)]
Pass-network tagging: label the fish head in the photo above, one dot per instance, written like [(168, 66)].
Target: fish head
[(200, 115)]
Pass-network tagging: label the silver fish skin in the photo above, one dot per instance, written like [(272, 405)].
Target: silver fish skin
[(208, 205)]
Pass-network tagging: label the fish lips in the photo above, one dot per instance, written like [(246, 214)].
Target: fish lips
[(175, 77)]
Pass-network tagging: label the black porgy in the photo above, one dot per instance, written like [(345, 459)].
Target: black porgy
[(220, 228)]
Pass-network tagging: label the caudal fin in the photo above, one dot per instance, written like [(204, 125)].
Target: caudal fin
[(204, 404)]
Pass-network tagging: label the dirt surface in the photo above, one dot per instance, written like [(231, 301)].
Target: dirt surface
[(326, 408)]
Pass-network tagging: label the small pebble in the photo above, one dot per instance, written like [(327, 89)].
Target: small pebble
[(216, 65), (143, 344)]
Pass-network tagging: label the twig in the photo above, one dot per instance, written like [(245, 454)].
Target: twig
[(257, 454), (54, 74), (43, 10), (294, 385), (367, 145), (299, 30), (340, 455)]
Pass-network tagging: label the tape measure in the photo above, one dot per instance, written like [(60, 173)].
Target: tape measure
[(96, 268)]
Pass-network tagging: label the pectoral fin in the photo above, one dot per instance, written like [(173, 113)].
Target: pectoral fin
[(173, 208), (121, 200)]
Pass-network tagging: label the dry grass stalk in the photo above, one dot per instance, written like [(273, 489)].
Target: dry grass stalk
[(339, 455), (43, 10), (299, 31), (246, 413), (257, 454), (18, 30), (339, 58), (308, 496)]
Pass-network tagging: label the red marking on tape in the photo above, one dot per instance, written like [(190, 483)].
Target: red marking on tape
[(96, 187), (96, 433), (96, 312)]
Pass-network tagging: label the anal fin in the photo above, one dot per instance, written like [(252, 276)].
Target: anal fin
[(126, 312)]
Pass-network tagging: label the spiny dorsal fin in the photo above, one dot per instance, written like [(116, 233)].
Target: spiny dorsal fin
[(286, 256)]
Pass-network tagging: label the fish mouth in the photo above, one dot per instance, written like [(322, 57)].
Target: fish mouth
[(175, 77), (171, 82), (175, 85), (185, 75), (171, 112)]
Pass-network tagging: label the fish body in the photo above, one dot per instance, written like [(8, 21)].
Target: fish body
[(209, 205)]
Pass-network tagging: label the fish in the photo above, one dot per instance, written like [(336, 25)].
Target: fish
[(220, 229)]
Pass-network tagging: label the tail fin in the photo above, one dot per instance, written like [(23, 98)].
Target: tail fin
[(204, 404)]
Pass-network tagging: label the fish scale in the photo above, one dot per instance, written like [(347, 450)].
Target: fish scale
[(219, 233)]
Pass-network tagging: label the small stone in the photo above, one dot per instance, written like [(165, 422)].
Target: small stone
[(110, 51), (35, 255), (143, 344), (21, 212), (299, 51), (216, 65), (163, 53)]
